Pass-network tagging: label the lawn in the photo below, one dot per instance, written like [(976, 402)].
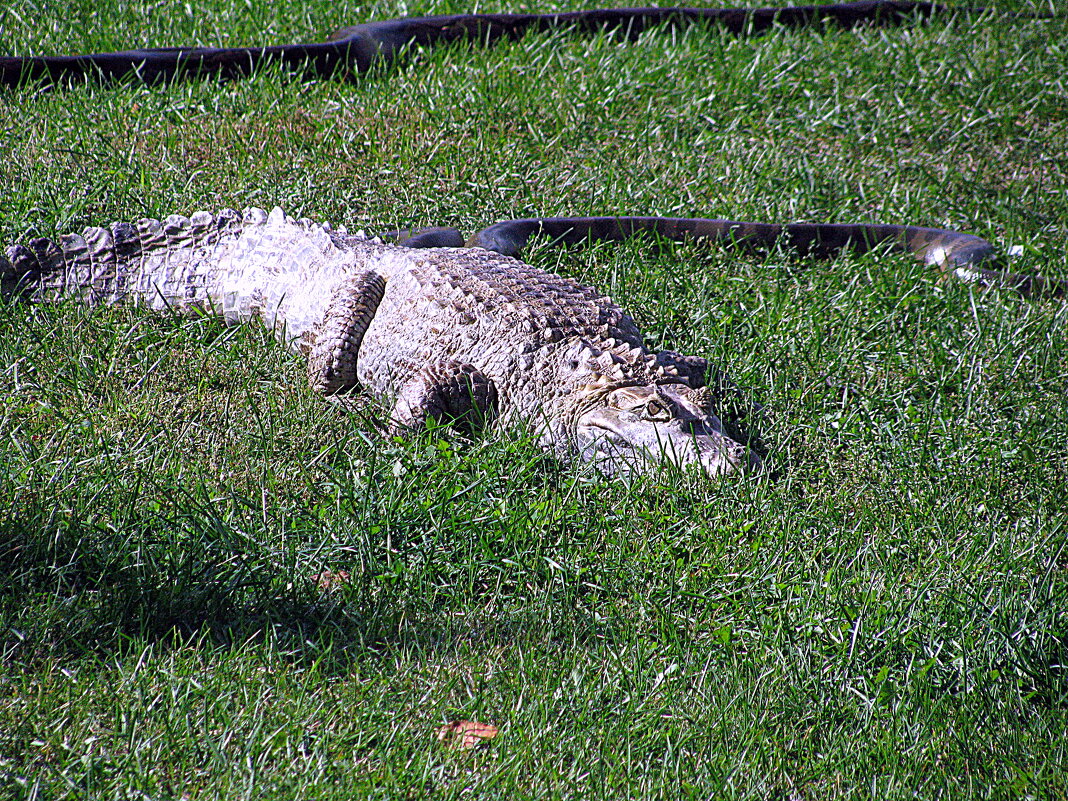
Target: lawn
[(215, 585)]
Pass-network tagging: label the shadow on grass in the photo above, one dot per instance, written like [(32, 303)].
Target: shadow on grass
[(86, 593)]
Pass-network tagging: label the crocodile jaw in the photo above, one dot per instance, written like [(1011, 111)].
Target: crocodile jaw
[(620, 446), (638, 428)]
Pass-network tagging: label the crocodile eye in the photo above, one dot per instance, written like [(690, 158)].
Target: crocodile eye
[(654, 409), (573, 364)]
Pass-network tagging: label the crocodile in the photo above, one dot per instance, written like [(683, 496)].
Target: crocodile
[(360, 48), (447, 332), (464, 336)]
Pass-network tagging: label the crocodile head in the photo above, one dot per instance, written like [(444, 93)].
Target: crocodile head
[(627, 411), (632, 429)]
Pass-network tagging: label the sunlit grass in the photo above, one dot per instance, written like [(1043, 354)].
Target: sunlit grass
[(879, 614)]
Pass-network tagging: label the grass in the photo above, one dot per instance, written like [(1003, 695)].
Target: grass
[(882, 614)]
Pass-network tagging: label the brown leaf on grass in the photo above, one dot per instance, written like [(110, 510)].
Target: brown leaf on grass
[(465, 734), (330, 580)]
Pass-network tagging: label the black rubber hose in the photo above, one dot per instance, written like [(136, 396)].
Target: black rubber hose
[(357, 48)]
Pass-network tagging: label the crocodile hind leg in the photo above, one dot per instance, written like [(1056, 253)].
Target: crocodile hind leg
[(332, 361), (445, 392)]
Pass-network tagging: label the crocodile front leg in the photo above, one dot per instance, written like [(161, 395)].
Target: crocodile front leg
[(445, 392), (332, 361)]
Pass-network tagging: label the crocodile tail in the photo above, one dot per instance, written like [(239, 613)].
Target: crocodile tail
[(107, 265)]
